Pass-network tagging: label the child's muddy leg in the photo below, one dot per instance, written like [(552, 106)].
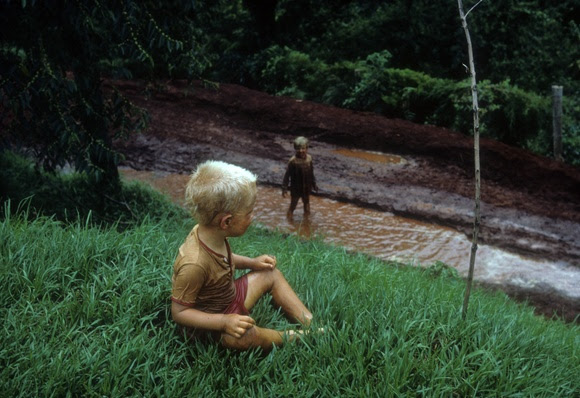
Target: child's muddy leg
[(293, 204), (306, 201)]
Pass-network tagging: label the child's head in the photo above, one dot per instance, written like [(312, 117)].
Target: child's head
[(301, 146), (216, 188), (300, 142)]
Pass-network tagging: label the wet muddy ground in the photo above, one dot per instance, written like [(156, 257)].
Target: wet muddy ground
[(531, 205)]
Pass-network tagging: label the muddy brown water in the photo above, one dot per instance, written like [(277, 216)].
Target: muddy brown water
[(391, 237), (377, 157)]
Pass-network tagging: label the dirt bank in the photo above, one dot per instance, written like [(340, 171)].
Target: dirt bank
[(531, 204)]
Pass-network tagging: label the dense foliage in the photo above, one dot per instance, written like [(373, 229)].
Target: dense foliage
[(401, 58), (532, 43), (54, 56), (406, 59)]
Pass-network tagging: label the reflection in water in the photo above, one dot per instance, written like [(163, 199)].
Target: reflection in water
[(377, 157), (388, 237)]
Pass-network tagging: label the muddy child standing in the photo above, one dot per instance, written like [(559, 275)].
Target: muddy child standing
[(299, 177)]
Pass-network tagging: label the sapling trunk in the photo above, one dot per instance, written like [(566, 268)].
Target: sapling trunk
[(477, 217)]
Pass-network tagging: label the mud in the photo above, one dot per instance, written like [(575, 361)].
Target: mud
[(530, 204)]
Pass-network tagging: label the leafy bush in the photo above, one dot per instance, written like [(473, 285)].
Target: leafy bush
[(72, 197), (512, 115), (370, 85), (571, 128), (289, 72)]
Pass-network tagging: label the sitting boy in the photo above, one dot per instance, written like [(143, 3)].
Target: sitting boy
[(206, 300)]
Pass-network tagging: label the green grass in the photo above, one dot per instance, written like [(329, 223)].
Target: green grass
[(85, 312)]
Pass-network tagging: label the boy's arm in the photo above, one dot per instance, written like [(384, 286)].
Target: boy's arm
[(263, 262), (314, 186), (286, 179), (233, 324)]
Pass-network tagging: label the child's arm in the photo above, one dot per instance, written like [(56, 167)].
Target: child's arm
[(233, 324), (263, 262), (286, 179), (314, 186)]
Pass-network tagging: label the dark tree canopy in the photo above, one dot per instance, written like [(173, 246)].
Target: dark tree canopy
[(55, 56)]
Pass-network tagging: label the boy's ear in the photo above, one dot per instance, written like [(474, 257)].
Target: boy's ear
[(225, 221)]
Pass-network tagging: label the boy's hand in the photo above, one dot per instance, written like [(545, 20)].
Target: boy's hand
[(283, 193), (236, 325), (264, 262)]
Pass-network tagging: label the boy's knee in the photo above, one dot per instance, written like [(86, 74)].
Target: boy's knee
[(234, 343), (276, 275), (271, 274)]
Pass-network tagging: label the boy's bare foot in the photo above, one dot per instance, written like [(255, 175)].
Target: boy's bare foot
[(293, 335)]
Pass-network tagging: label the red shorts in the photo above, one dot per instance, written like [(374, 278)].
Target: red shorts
[(237, 305)]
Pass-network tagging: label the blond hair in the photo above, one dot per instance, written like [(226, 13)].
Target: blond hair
[(300, 142), (217, 187)]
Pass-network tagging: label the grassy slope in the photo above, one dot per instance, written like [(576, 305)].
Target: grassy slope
[(85, 312)]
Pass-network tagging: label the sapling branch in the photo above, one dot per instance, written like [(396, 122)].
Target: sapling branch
[(472, 8)]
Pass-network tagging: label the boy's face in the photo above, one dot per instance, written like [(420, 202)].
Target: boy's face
[(240, 222), (301, 151)]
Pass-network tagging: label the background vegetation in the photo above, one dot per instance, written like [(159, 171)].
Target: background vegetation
[(85, 312), (402, 58), (406, 59), (54, 57)]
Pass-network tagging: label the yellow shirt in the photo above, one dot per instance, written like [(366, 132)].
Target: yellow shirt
[(203, 279)]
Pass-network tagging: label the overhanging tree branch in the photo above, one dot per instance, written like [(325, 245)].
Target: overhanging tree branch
[(52, 95)]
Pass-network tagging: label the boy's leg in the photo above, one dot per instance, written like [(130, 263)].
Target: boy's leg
[(261, 282), (293, 204), (306, 202), (254, 337), (258, 337)]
